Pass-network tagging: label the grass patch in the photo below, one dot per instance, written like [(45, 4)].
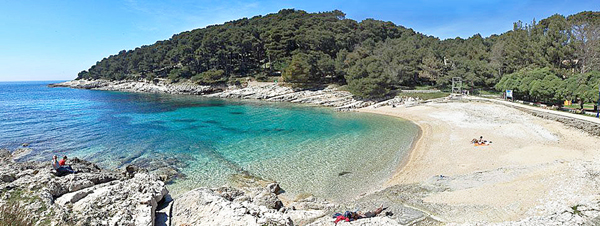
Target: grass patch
[(424, 96), (13, 215), (576, 106), (576, 211), (424, 87), (18, 200), (18, 196), (489, 92)]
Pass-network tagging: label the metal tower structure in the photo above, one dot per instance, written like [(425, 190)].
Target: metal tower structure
[(457, 85)]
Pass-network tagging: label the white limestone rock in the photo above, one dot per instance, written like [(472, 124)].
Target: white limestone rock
[(226, 206)]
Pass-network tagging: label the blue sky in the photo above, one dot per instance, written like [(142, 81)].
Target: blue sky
[(54, 40)]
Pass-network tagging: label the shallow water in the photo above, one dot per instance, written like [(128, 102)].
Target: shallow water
[(304, 148)]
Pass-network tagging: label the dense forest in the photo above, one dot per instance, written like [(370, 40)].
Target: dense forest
[(554, 59)]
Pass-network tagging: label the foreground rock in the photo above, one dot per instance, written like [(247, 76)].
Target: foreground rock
[(93, 196), (260, 206), (96, 196), (228, 206)]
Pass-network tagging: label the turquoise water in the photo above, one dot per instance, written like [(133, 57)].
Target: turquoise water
[(209, 140)]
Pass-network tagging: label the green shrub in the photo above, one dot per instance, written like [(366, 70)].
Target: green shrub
[(210, 77)]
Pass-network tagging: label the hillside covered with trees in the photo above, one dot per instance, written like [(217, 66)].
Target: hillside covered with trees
[(554, 59)]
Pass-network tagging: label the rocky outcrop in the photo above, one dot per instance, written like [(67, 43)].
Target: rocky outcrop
[(396, 101), (228, 206), (122, 202), (20, 153), (156, 86), (261, 206), (329, 96), (92, 196)]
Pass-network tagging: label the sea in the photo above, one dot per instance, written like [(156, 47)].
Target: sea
[(210, 142)]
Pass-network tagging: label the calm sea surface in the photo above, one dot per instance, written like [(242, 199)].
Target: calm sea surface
[(209, 140)]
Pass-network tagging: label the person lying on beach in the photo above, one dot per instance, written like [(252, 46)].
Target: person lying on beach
[(480, 141), (351, 216), (369, 214), (60, 167)]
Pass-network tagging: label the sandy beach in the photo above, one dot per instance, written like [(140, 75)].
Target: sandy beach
[(534, 167)]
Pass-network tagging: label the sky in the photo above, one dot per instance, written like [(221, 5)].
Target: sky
[(54, 40)]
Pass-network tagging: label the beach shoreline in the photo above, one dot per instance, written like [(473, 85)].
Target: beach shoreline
[(414, 149), (410, 155), (506, 181)]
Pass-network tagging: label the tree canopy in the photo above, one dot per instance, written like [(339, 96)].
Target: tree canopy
[(373, 58)]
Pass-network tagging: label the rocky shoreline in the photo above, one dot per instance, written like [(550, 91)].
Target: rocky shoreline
[(157, 86), (328, 97), (96, 196), (92, 196), (133, 196)]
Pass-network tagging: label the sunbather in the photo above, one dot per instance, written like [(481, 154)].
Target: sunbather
[(351, 216), (370, 213), (480, 141)]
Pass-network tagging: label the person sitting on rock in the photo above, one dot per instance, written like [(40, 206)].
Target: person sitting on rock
[(63, 161), (60, 166), (55, 164)]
